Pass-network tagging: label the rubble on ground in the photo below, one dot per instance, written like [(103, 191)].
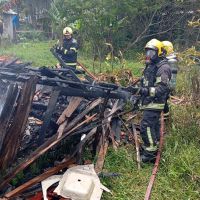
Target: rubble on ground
[(47, 123)]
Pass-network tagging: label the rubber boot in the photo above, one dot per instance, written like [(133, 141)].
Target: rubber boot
[(148, 156)]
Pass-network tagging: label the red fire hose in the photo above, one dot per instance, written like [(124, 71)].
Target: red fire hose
[(155, 168)]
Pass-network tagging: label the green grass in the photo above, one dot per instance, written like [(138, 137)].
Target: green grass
[(35, 52), (179, 173), (131, 184)]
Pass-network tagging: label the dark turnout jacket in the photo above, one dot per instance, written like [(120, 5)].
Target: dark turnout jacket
[(68, 51), (156, 76)]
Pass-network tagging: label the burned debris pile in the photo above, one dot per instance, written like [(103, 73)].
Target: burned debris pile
[(53, 116)]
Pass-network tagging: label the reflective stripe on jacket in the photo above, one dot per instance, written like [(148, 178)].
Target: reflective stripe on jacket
[(68, 51)]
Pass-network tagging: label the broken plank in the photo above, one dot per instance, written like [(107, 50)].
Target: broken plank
[(137, 146), (48, 114), (73, 104), (18, 125), (101, 157), (82, 144), (8, 97), (81, 115)]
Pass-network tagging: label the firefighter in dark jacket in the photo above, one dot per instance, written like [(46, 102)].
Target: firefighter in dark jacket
[(154, 92), (69, 48)]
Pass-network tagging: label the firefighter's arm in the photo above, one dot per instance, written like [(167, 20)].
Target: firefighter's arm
[(73, 49)]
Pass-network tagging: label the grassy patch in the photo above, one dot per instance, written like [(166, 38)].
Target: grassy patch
[(38, 53), (131, 184)]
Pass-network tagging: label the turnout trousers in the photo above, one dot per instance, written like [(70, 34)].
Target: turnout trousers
[(150, 130)]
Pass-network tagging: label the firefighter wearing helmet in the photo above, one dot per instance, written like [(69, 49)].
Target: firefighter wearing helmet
[(154, 91), (173, 62), (69, 48)]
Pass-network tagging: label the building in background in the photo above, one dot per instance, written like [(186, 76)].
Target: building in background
[(10, 24)]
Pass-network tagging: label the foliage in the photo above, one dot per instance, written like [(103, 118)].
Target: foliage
[(189, 65), (18, 179), (125, 24)]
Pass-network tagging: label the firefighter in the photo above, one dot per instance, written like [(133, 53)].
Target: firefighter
[(69, 48), (154, 91), (173, 62)]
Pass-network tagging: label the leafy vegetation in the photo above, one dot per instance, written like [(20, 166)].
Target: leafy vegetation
[(125, 24)]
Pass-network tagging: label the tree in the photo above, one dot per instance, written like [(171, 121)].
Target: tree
[(124, 24)]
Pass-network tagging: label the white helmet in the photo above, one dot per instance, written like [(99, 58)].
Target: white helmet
[(67, 29)]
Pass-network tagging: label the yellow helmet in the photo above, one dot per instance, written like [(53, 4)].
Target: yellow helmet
[(155, 45), (67, 29), (168, 46)]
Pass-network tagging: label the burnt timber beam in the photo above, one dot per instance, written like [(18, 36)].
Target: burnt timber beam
[(8, 97), (18, 125), (48, 114)]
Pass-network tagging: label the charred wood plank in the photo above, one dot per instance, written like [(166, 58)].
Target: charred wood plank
[(93, 93), (73, 104), (18, 125), (81, 115), (63, 119), (50, 73), (48, 114), (101, 130), (106, 121), (39, 106), (10, 62), (51, 142), (102, 146), (87, 71), (101, 157), (8, 97), (82, 144), (137, 146)]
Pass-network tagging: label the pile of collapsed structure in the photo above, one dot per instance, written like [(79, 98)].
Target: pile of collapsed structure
[(54, 114)]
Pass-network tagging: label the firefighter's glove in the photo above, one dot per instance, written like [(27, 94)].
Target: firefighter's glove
[(144, 91), (58, 47)]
